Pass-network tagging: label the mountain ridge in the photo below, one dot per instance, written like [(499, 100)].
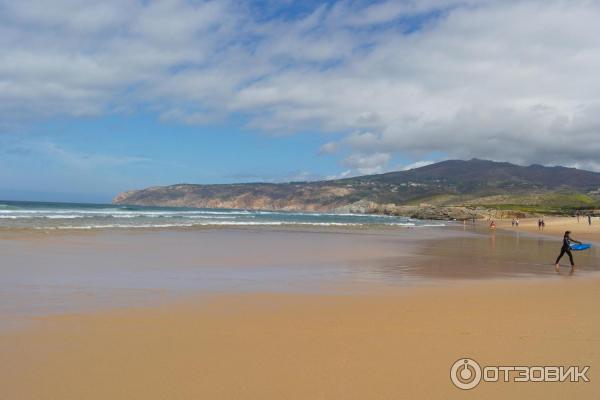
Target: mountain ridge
[(470, 184)]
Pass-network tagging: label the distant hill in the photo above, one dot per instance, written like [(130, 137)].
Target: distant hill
[(455, 183)]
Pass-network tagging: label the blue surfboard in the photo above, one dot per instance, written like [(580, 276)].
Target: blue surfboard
[(578, 247)]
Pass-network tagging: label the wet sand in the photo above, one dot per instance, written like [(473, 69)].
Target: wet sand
[(262, 314), (62, 272)]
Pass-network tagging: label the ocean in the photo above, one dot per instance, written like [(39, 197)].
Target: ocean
[(55, 216)]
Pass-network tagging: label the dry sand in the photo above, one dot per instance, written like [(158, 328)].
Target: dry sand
[(556, 226), (390, 345)]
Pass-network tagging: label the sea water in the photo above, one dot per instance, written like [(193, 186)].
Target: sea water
[(42, 215)]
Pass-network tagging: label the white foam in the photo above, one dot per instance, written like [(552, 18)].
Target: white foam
[(189, 225), (119, 218)]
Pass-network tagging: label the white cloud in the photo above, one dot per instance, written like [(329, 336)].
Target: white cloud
[(417, 164), (329, 148), (367, 163), (59, 155), (344, 174), (513, 80), (81, 160)]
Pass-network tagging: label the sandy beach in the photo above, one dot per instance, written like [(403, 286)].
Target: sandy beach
[(379, 315), (267, 346), (556, 226)]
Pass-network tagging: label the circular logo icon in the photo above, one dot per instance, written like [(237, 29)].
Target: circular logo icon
[(465, 373)]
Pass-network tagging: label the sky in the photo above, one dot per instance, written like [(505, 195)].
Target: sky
[(102, 97)]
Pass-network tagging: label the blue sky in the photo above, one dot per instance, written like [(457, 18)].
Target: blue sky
[(97, 98), (93, 158)]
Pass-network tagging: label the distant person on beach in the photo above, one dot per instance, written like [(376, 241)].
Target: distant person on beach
[(517, 222), (577, 214), (543, 224), (539, 223), (589, 219), (493, 225), (513, 222), (566, 248)]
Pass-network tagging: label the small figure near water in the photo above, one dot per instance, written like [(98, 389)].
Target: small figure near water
[(589, 219), (566, 248), (493, 225)]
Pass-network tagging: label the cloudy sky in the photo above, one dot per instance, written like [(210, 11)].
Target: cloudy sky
[(99, 97)]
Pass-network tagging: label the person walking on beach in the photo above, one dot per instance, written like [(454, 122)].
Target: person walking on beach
[(589, 219), (566, 248)]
